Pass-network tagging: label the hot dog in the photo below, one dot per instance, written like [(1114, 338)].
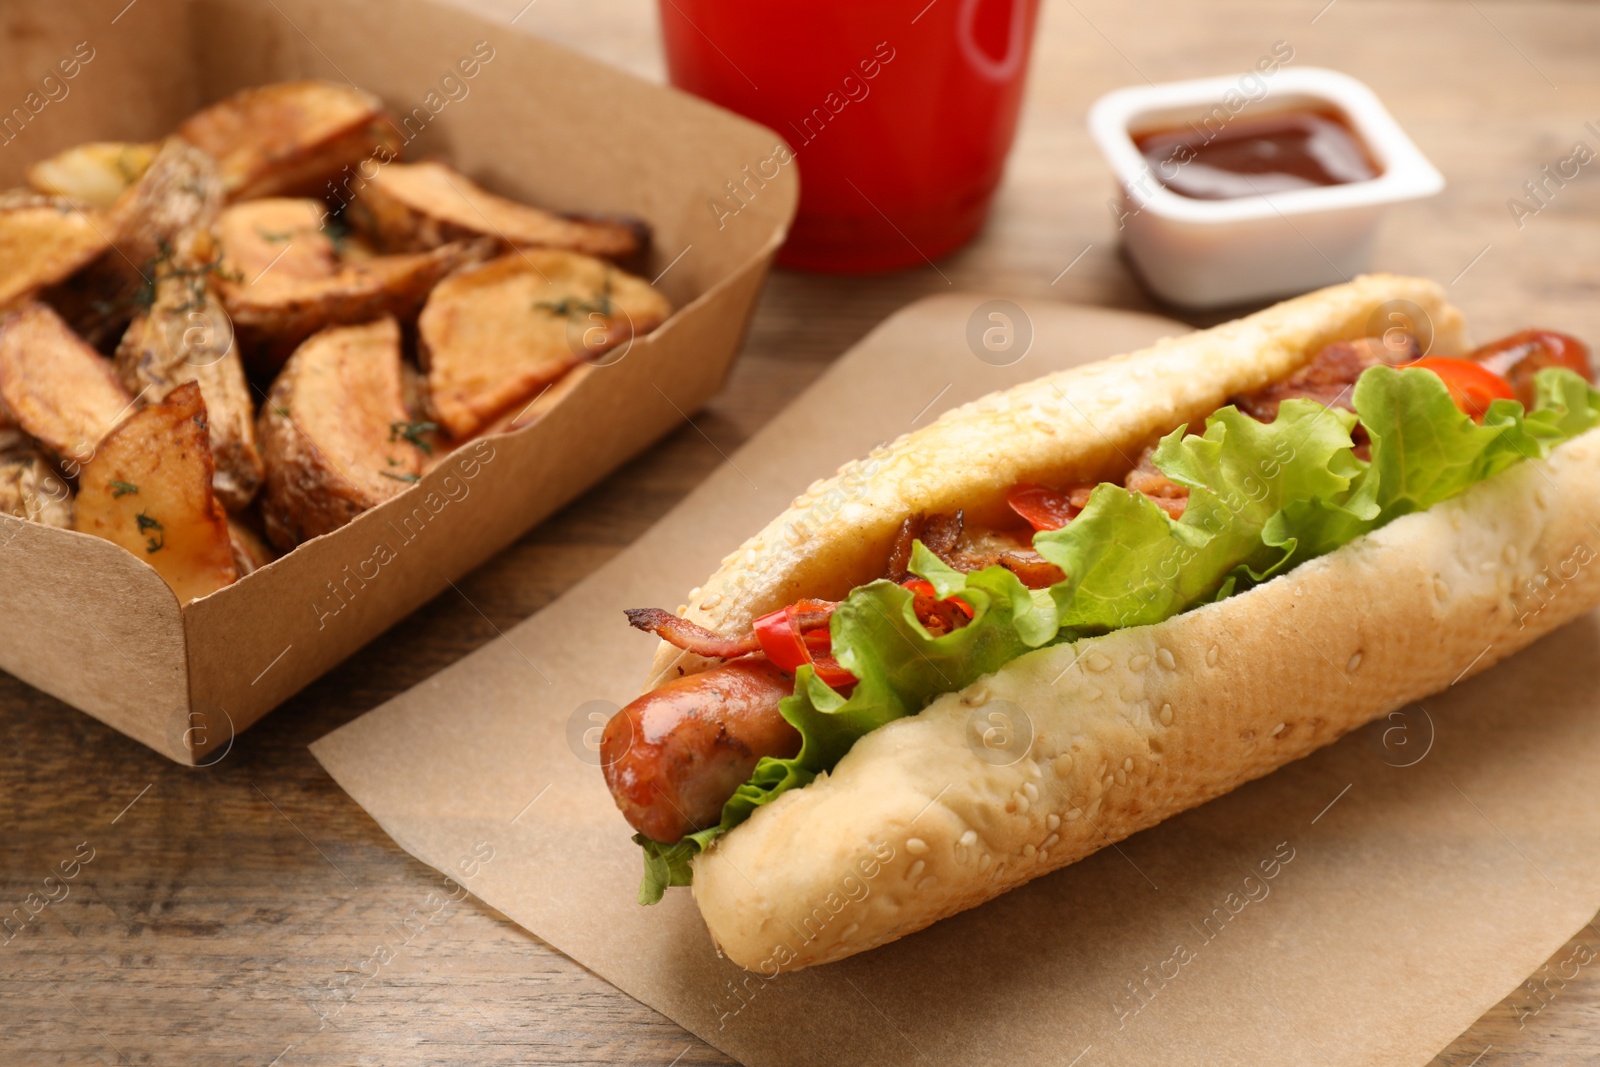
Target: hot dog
[(760, 703)]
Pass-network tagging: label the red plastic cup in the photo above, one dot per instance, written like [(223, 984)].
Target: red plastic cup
[(900, 113)]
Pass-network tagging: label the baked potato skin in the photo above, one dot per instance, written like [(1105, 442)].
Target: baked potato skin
[(186, 337), (292, 138), (332, 432), (412, 207), (43, 240), (55, 387), (148, 489), (491, 337)]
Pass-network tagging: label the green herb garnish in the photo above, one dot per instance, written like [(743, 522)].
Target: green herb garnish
[(159, 541), (575, 307), (413, 432)]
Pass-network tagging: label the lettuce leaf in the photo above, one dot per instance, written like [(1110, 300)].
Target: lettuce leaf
[(1424, 450), (1264, 497), (1130, 564)]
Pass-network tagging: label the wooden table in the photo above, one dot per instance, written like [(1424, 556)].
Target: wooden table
[(231, 915)]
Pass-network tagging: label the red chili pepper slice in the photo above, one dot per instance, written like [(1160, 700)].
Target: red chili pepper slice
[(1472, 386), (778, 633), (829, 671), (781, 640), (1044, 508), (789, 649)]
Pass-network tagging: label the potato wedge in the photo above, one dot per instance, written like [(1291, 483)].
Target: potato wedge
[(250, 551), (332, 433), (412, 207), (292, 138), (55, 387), (176, 199), (148, 489), (491, 337), (94, 174), (276, 239), (43, 239), (30, 488), (160, 225), (542, 404), (282, 277), (187, 337)]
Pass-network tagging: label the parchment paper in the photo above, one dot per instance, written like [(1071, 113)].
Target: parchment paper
[(1364, 905)]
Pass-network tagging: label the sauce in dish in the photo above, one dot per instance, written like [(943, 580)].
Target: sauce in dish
[(1254, 154)]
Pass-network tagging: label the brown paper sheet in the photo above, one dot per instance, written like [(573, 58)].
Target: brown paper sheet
[(1364, 905)]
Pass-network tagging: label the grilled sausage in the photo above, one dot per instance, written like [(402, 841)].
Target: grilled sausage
[(673, 757)]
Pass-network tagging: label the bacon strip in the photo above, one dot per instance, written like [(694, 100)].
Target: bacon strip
[(692, 637), (1032, 569), (689, 636), (1165, 493), (1330, 377), (941, 535)]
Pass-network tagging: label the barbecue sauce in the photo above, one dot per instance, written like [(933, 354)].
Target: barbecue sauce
[(1254, 154)]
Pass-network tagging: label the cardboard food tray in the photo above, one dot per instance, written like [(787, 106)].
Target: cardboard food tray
[(93, 624), (1363, 905)]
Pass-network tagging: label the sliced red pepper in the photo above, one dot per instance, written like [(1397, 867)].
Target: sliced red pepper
[(789, 649), (1472, 386), (781, 639), (1044, 508), (829, 671)]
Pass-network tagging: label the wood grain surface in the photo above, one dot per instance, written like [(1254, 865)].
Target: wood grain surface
[(251, 914)]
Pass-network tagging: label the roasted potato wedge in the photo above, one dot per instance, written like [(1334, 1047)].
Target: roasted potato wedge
[(277, 239), (282, 277), (332, 432), (148, 489), (491, 337), (187, 337), (161, 225), (412, 207), (29, 485), (176, 199), (43, 239), (55, 387), (543, 402), (292, 138), (94, 174), (250, 551)]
